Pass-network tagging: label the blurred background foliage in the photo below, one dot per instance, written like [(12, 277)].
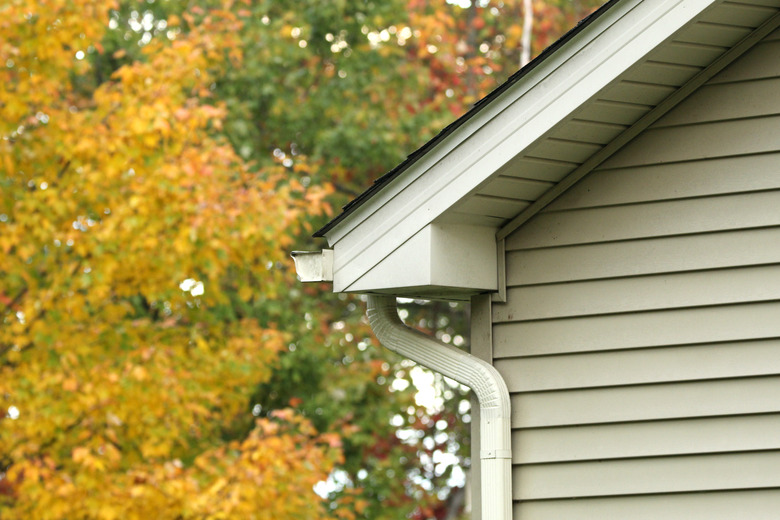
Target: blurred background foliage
[(159, 159)]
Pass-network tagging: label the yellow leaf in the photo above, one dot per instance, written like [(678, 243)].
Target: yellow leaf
[(139, 373), (79, 454), (245, 293)]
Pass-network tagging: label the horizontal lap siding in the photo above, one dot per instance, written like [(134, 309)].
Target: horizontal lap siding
[(695, 362), (647, 439), (648, 402), (752, 505), (692, 473), (640, 339), (713, 250), (661, 218), (639, 330)]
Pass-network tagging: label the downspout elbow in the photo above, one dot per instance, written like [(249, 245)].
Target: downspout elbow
[(480, 376)]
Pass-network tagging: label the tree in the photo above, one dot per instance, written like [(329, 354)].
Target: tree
[(123, 214)]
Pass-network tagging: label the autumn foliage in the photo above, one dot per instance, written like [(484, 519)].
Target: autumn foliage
[(149, 195), (111, 198)]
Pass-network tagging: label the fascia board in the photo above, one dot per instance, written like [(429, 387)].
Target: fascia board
[(526, 112)]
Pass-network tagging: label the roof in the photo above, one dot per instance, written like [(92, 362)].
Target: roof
[(380, 182), (553, 122)]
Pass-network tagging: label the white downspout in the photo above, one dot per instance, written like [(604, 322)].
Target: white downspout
[(480, 376)]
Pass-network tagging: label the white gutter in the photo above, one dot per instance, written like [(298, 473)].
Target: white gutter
[(314, 266), (481, 377)]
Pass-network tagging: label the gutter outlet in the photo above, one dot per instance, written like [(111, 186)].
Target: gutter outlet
[(480, 376), (314, 266)]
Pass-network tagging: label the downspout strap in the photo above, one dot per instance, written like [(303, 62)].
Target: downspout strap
[(495, 454)]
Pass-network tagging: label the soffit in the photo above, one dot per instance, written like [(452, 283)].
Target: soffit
[(613, 113)]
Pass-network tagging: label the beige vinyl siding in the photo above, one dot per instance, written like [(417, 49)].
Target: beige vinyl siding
[(650, 475), (647, 439), (640, 340), (752, 505), (712, 250)]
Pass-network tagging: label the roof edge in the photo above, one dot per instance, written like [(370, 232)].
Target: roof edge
[(385, 179)]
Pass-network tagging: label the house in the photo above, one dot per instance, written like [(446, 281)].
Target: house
[(612, 212)]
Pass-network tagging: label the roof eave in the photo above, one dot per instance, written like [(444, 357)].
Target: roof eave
[(516, 118), (388, 177)]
